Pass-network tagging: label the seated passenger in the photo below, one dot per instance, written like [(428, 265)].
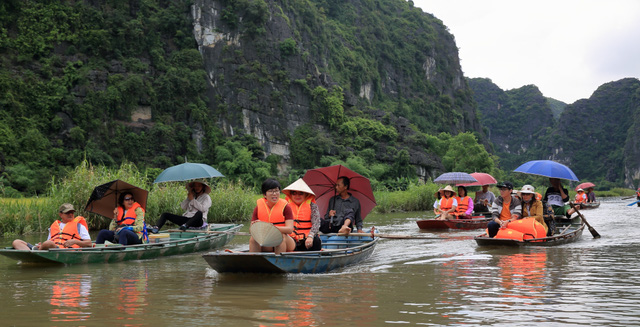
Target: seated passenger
[(581, 197), (128, 226), (272, 209), (448, 203), (506, 208), (436, 203), (484, 200), (306, 217), (68, 232), (196, 206), (556, 196), (532, 207), (341, 205), (591, 197), (465, 203)]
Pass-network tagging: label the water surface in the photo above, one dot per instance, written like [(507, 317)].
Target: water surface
[(406, 282)]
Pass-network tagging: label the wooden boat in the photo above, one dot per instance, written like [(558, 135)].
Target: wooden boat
[(589, 205), (567, 231), (177, 242), (432, 224), (474, 223), (337, 252)]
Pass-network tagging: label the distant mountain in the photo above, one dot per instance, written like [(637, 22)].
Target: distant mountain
[(514, 120), (599, 137)]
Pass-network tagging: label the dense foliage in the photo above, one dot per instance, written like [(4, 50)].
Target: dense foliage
[(123, 81)]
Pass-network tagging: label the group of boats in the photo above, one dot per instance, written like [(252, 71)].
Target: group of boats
[(337, 250)]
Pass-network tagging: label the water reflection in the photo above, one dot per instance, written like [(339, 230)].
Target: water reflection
[(70, 298), (132, 296), (522, 275)]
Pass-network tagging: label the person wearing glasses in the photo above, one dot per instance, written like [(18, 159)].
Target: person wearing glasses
[(196, 207), (505, 209), (68, 232), (128, 226), (275, 210), (306, 217)]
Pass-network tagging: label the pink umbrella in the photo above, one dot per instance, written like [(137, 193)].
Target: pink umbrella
[(482, 179), (322, 182), (585, 186)]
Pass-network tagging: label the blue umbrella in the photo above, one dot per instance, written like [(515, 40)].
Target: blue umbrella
[(187, 171), (547, 168), (455, 178)]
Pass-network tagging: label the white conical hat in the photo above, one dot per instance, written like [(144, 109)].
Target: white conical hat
[(265, 234), (298, 185)]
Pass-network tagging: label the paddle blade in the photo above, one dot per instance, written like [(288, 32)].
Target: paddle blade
[(632, 203)]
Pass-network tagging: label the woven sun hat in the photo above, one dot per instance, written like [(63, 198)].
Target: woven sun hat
[(265, 234), (447, 188), (300, 185), (205, 185)]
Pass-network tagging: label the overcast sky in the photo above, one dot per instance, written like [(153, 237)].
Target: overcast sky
[(568, 48)]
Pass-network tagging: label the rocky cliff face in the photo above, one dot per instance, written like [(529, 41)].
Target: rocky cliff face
[(516, 120), (597, 136), (263, 63)]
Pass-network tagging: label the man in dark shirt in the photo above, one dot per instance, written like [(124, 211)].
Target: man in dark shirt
[(343, 211)]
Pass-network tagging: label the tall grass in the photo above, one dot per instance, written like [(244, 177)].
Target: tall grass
[(417, 197), (231, 202)]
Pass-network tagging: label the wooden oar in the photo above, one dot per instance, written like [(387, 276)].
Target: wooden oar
[(591, 229), (404, 237)]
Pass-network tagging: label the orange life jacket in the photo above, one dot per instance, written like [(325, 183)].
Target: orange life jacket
[(463, 205), (274, 215), (302, 219), (530, 227), (538, 196), (581, 198), (130, 218), (70, 231), (446, 203)]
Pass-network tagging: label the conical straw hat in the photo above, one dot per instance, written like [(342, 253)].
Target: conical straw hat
[(265, 234), (298, 185)]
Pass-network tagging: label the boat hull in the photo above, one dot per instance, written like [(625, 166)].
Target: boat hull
[(178, 243), (473, 223), (590, 205), (338, 252), (571, 231)]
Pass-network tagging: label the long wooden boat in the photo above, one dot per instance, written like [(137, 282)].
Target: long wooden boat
[(178, 242), (337, 252), (589, 205), (474, 222), (567, 231)]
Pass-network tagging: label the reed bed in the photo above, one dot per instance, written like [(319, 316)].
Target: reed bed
[(231, 202), (417, 197)]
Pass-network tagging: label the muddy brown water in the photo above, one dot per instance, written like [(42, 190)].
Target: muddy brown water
[(405, 282)]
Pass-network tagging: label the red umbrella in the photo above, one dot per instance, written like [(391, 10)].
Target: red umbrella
[(482, 179), (585, 186), (322, 182)]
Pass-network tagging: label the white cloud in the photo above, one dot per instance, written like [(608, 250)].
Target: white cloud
[(567, 48)]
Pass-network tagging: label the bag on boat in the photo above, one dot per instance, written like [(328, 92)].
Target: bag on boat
[(528, 226)]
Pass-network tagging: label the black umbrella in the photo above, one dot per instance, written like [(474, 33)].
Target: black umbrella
[(104, 198)]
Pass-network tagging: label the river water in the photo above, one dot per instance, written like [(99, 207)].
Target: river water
[(406, 282)]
